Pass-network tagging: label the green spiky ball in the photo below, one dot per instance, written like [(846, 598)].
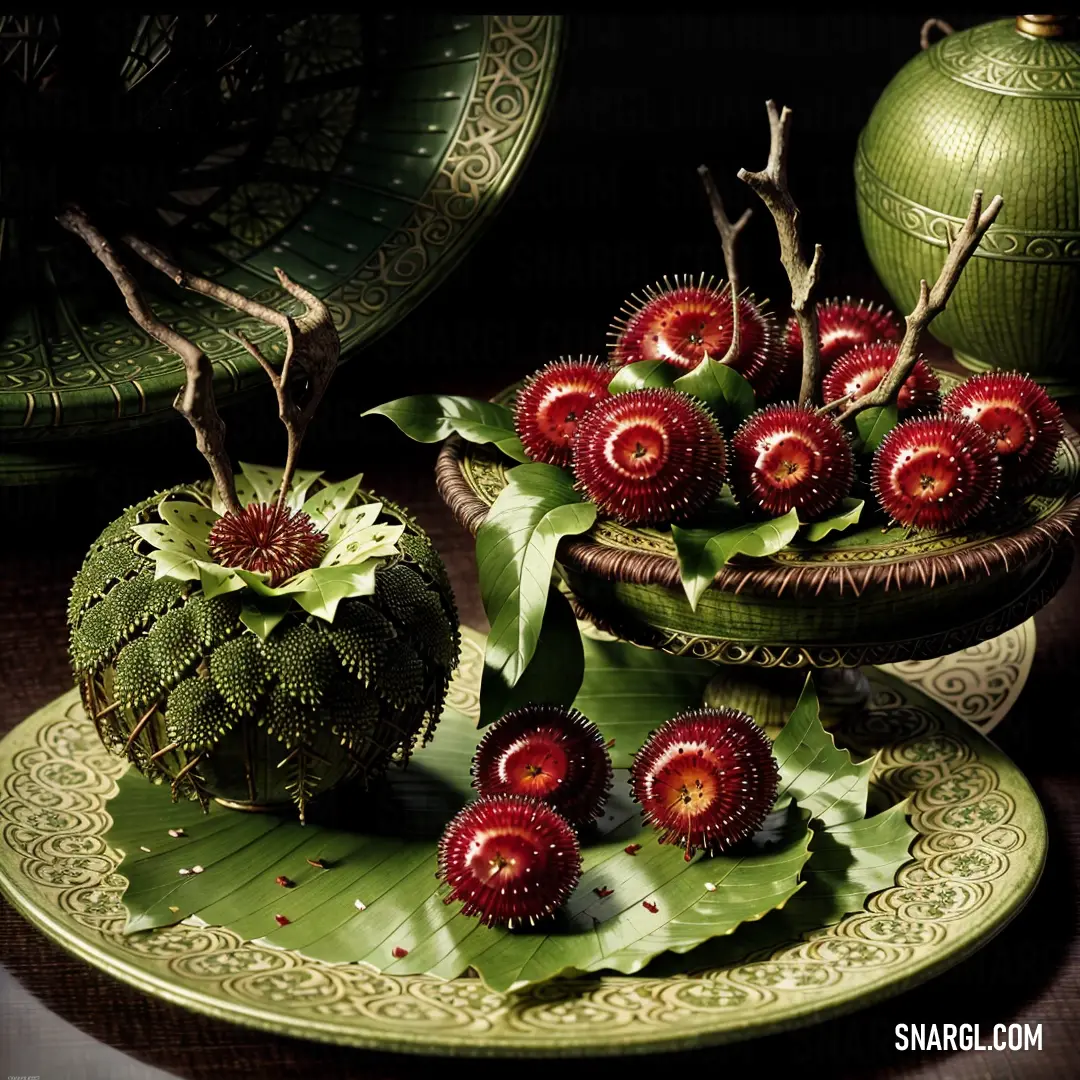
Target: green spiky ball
[(179, 684)]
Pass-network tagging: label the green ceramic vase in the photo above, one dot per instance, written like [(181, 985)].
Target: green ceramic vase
[(996, 107)]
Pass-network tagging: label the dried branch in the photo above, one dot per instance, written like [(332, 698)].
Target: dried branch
[(312, 343), (931, 303), (729, 235), (195, 402), (772, 187)]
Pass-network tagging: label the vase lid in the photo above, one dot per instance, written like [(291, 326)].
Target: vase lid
[(1026, 56)]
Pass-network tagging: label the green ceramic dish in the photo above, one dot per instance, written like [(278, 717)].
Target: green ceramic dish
[(866, 596), (980, 851), (996, 109), (380, 175)]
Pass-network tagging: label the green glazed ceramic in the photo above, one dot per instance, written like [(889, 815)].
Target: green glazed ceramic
[(994, 108), (384, 143), (870, 595), (979, 853)]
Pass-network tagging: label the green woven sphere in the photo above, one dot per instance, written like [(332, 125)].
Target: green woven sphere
[(195, 699), (996, 109)]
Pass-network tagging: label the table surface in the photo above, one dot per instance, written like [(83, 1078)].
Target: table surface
[(61, 1018)]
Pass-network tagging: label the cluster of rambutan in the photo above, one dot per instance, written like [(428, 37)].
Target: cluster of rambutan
[(705, 779), (657, 456)]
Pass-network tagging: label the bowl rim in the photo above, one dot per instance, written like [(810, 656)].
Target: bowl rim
[(998, 554)]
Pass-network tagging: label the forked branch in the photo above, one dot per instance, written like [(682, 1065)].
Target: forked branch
[(772, 186), (312, 346), (729, 235), (931, 303), (195, 401)]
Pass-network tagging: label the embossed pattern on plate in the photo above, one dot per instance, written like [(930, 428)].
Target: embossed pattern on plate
[(979, 854)]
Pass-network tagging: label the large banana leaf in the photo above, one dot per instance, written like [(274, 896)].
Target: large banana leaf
[(374, 898)]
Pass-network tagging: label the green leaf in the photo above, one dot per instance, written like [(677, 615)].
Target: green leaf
[(645, 374), (260, 615), (429, 418), (218, 580), (390, 869), (326, 504), (318, 590), (843, 517), (848, 863), (168, 538), (349, 520), (874, 424), (815, 771), (554, 674), (515, 553), (173, 564), (702, 552), (360, 545), (260, 483), (325, 587), (628, 691), (722, 388), (190, 518)]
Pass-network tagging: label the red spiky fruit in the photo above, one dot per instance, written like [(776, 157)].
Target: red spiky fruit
[(552, 401), (649, 457), (683, 321), (547, 752), (1018, 414), (267, 538), (860, 369), (706, 779), (843, 324), (787, 457), (509, 859), (935, 473)]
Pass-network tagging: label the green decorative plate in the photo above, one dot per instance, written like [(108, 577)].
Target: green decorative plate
[(871, 595), (393, 139), (980, 850)]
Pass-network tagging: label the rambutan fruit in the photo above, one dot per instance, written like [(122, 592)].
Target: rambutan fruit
[(682, 322), (547, 752), (787, 457), (509, 859), (860, 369), (843, 324), (935, 473), (649, 456), (1017, 413), (706, 779), (267, 538), (552, 401)]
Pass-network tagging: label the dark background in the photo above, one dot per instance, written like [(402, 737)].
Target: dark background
[(609, 202)]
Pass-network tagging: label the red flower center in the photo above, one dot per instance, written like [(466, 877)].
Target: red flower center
[(1010, 427), (788, 462), (560, 410), (638, 449), (268, 539), (534, 767), (927, 474)]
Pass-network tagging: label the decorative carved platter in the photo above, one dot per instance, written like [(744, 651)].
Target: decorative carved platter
[(390, 150), (979, 854)]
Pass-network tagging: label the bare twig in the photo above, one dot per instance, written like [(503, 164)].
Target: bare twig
[(729, 235), (930, 304), (312, 345), (771, 185), (195, 402)]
